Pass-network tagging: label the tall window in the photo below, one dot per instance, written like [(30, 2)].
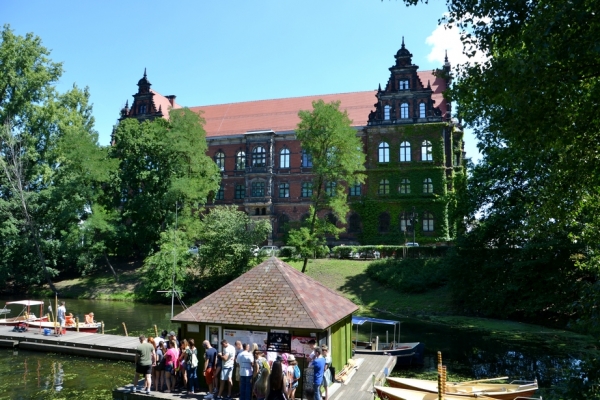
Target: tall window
[(330, 189), (384, 222), (259, 157), (284, 158), (405, 222), (240, 161), (404, 187), (428, 222), (404, 152), (284, 190), (422, 110), (386, 112), (282, 225), (306, 159), (240, 191), (143, 109), (220, 160), (426, 151), (220, 193), (307, 189), (384, 187), (404, 110), (427, 186), (354, 223), (403, 84), (258, 189), (355, 190), (384, 152)]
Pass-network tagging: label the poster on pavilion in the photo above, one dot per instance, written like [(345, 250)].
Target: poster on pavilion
[(258, 337)]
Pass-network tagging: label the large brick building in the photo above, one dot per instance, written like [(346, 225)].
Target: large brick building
[(414, 154)]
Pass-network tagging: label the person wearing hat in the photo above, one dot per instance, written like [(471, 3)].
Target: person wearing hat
[(319, 369), (293, 376)]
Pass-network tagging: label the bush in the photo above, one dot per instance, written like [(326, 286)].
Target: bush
[(410, 275), (321, 252), (387, 251), (287, 252)]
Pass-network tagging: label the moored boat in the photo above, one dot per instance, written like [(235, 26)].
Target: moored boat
[(390, 393), (25, 315), (83, 327), (503, 391)]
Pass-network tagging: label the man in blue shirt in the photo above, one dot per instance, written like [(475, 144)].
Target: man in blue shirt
[(319, 369)]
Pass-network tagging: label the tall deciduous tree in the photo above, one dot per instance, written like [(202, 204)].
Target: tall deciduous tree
[(337, 161), (161, 163)]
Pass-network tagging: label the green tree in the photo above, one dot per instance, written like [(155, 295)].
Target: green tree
[(50, 163), (337, 160), (161, 163), (226, 236)]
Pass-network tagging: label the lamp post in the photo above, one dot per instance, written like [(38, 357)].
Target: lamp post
[(413, 219)]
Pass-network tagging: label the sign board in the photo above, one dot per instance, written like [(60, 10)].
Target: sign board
[(260, 338), (279, 342), (309, 378), (300, 346)]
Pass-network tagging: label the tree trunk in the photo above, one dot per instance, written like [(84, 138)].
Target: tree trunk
[(110, 266)]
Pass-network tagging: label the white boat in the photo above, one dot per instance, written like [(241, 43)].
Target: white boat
[(390, 393), (25, 315), (82, 327)]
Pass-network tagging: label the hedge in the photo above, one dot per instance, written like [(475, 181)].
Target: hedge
[(387, 251)]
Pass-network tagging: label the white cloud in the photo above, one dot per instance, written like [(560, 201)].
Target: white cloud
[(444, 39)]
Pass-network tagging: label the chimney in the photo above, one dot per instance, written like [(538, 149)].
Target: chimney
[(171, 98)]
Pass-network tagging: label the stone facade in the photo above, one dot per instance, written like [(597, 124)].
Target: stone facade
[(413, 149)]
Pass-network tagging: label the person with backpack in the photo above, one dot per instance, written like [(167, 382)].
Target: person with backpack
[(192, 366), (261, 386), (293, 376)]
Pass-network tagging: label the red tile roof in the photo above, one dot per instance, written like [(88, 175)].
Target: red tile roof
[(281, 115), (274, 295), (162, 101)]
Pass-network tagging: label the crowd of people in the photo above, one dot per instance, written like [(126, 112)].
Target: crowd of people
[(173, 367)]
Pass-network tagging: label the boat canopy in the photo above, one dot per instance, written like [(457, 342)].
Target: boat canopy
[(361, 320), (26, 302)]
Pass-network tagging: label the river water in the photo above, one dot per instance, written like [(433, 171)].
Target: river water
[(469, 353)]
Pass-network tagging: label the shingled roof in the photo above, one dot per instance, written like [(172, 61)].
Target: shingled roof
[(272, 294)]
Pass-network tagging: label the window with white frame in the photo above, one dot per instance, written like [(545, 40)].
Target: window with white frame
[(422, 113), (426, 151), (284, 158), (403, 84), (384, 152), (259, 157), (404, 110), (306, 159), (220, 160), (405, 152), (386, 112), (427, 186), (428, 222), (240, 161), (404, 187), (384, 187)]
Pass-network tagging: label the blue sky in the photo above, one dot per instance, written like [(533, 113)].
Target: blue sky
[(211, 52)]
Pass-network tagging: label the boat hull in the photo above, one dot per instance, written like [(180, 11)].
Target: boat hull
[(87, 328), (466, 390), (407, 353), (390, 393), (20, 320)]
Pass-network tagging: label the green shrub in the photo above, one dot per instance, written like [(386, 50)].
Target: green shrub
[(287, 252), (388, 251), (410, 275)]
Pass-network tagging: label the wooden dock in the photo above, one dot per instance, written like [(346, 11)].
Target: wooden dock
[(360, 386), (112, 347)]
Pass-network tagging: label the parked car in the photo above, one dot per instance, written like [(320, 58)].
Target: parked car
[(270, 250), (412, 244), (193, 250)]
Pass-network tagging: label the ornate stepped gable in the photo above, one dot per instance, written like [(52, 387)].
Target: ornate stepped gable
[(406, 99), (143, 106)]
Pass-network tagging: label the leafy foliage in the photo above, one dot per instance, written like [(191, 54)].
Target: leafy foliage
[(411, 275), (338, 160)]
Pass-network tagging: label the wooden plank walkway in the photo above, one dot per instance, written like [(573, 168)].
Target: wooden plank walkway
[(94, 345), (360, 386)]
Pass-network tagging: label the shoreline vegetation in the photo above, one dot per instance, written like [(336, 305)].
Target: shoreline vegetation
[(350, 278)]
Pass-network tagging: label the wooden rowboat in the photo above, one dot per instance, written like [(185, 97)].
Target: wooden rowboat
[(88, 328), (503, 391), (390, 393)]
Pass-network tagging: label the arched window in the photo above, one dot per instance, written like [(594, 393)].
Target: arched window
[(384, 187), (330, 189), (284, 190), (384, 222), (405, 152), (240, 161), (258, 189), (307, 189), (283, 223), (354, 223), (427, 186), (404, 110), (428, 222), (284, 158), (404, 187), (259, 157), (306, 159), (386, 112), (426, 151), (384, 152), (220, 160), (422, 110)]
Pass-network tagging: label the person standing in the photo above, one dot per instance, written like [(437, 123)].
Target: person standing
[(192, 366), (245, 361), (277, 383), (227, 357), (327, 379), (236, 367), (210, 356), (143, 364), (293, 376), (61, 315), (319, 369)]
